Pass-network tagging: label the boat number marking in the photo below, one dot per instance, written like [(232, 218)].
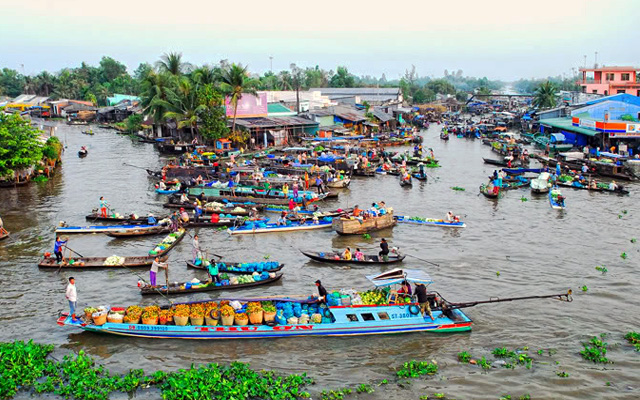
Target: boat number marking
[(222, 328), (401, 315), (148, 328)]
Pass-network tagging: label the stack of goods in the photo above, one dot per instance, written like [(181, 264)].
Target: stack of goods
[(133, 314), (150, 315), (114, 260), (374, 297), (249, 267), (100, 315), (290, 313), (116, 315), (166, 243)]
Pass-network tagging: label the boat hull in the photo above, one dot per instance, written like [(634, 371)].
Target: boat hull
[(306, 226), (99, 229), (369, 259), (430, 222), (96, 262), (146, 290)]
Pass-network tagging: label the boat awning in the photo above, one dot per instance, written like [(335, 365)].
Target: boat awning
[(557, 138), (397, 275), (610, 155)]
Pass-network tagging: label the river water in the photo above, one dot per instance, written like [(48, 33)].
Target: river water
[(535, 249)]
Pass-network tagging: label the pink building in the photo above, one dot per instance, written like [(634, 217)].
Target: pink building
[(611, 80)]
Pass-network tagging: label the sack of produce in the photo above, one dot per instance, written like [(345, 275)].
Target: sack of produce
[(292, 321), (316, 318)]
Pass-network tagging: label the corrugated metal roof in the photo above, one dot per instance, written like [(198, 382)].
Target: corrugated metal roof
[(271, 122), (382, 116)]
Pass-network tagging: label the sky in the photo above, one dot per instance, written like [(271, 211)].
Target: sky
[(499, 39)]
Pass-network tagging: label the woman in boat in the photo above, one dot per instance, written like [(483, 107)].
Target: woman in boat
[(295, 190), (285, 190), (197, 211), (103, 207), (346, 255), (151, 220), (384, 252), (155, 266), (613, 186), (405, 288), (184, 216), (282, 220), (57, 249), (358, 255)]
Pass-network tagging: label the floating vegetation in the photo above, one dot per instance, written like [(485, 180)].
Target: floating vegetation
[(458, 188), (497, 273), (415, 369), (602, 269), (623, 255), (634, 339), (464, 357), (633, 240), (523, 199), (366, 236), (40, 178), (562, 374), (595, 350), (584, 288), (334, 394), (364, 388)]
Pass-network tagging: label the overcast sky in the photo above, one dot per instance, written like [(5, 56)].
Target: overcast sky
[(500, 39)]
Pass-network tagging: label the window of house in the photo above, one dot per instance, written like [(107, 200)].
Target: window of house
[(606, 92), (368, 317), (638, 94), (594, 91), (624, 77), (610, 77), (383, 315), (352, 317), (621, 91)]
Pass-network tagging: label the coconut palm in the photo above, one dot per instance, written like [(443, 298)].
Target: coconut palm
[(183, 105), (172, 63), (235, 81), (155, 90), (545, 95), (45, 83), (205, 75)]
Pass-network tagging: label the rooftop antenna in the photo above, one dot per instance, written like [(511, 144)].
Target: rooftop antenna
[(596, 63), (585, 61)]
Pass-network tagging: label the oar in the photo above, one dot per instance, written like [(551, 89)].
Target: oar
[(134, 166), (418, 258), (78, 254), (162, 259)]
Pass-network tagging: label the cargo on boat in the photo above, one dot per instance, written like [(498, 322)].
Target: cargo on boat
[(97, 262), (350, 225)]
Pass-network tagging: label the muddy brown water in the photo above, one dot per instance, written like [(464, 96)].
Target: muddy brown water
[(536, 249)]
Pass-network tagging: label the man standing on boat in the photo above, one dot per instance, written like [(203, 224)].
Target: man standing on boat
[(72, 295), (153, 273), (196, 252), (423, 299), (384, 252)]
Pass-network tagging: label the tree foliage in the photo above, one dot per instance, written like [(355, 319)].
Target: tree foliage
[(20, 147), (546, 95)]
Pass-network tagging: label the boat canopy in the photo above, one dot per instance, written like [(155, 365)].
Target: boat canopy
[(290, 149), (610, 155), (572, 155), (557, 138), (398, 275)]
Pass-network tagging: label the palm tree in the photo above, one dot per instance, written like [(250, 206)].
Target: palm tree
[(30, 85), (45, 83), (172, 63), (155, 90), (235, 81), (205, 75), (183, 105), (545, 95)]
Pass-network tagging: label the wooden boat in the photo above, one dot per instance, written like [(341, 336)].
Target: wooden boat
[(95, 216), (419, 176), (168, 191), (330, 257), (577, 185), (501, 163), (331, 214), (77, 122), (234, 268), (484, 189), (406, 182), (540, 184), (206, 223), (444, 136), (251, 228), (219, 210), (182, 288), (96, 262), (556, 203), (153, 230), (343, 183), (353, 226), (99, 229), (10, 183), (89, 132), (339, 319), (243, 199), (405, 219), (166, 245)]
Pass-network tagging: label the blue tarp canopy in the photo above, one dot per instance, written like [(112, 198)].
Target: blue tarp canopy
[(397, 275), (557, 137), (610, 155)]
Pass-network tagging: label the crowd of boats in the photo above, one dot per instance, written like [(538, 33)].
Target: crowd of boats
[(240, 193)]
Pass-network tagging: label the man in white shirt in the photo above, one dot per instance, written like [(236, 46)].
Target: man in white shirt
[(72, 296)]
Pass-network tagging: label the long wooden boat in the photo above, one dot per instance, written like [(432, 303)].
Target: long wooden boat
[(338, 320), (163, 247), (335, 258), (484, 189), (353, 226), (219, 210), (110, 218), (99, 229), (205, 223), (243, 199), (419, 176), (153, 230), (577, 185), (405, 219), (168, 191), (181, 288), (249, 229), (233, 267), (500, 163), (95, 262), (553, 199)]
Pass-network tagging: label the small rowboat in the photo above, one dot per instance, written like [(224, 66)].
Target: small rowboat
[(210, 287), (99, 229), (335, 258), (110, 218), (405, 219), (160, 251), (154, 230), (343, 183), (82, 153), (167, 191), (556, 200), (233, 268), (406, 182), (353, 226), (419, 176), (501, 163), (95, 262), (250, 228), (89, 132), (484, 189), (208, 224)]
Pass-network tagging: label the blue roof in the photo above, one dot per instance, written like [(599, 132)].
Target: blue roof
[(623, 97)]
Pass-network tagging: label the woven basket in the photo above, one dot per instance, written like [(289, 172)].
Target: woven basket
[(100, 319), (180, 321)]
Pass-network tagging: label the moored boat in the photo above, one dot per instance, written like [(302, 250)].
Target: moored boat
[(599, 187), (556, 199), (405, 219), (489, 191), (240, 268), (147, 231), (189, 287), (419, 176), (375, 312), (349, 225), (335, 258), (342, 183), (168, 243), (99, 229), (97, 262), (406, 182)]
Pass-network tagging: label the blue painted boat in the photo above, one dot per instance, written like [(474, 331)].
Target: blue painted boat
[(405, 219), (164, 191), (556, 199), (338, 320), (100, 229), (520, 171), (252, 228)]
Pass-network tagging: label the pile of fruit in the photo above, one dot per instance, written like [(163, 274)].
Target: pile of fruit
[(374, 297), (114, 260)]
